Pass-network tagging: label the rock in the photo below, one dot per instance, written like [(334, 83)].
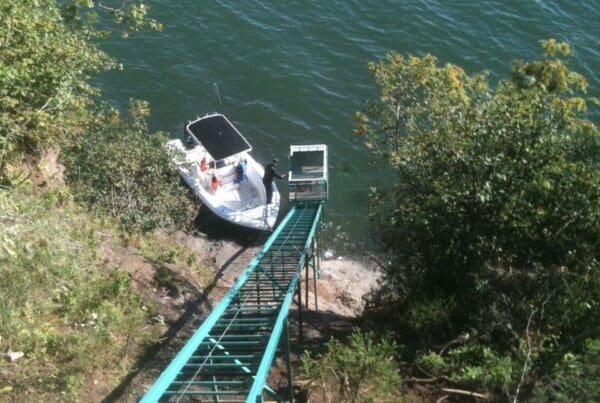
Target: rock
[(344, 283), (51, 172), (313, 334), (14, 355)]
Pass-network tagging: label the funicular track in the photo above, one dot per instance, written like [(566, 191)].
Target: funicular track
[(228, 358)]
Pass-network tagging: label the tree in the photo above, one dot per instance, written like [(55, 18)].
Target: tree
[(494, 212), (48, 55)]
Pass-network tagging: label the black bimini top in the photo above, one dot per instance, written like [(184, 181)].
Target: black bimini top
[(220, 138)]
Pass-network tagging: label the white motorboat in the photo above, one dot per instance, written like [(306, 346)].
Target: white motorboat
[(215, 162)]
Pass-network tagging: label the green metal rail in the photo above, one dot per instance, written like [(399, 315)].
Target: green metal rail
[(229, 357)]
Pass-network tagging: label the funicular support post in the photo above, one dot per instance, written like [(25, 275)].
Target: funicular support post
[(288, 364), (319, 245), (300, 324), (315, 263), (306, 269), (272, 274), (215, 387)]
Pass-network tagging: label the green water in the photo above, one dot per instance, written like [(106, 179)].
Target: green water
[(296, 71)]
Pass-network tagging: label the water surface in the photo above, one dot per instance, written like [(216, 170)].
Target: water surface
[(296, 71)]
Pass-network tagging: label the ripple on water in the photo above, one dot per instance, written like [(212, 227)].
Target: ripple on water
[(292, 71)]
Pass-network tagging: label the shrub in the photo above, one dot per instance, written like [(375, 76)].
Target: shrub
[(363, 371), (472, 366), (120, 169), (49, 52), (429, 318), (577, 377), (432, 363), (476, 365), (44, 68)]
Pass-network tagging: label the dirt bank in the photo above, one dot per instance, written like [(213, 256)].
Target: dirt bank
[(340, 288)]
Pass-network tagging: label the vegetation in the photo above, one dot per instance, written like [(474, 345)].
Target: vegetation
[(48, 55), (69, 318), (122, 170), (72, 319), (493, 219), (46, 100), (162, 249), (44, 66), (577, 378), (362, 371)]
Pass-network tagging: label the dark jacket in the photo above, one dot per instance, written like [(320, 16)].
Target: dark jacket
[(271, 173)]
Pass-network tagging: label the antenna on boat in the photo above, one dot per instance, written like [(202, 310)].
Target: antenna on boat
[(218, 96)]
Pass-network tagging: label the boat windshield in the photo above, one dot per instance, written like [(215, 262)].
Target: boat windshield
[(218, 135)]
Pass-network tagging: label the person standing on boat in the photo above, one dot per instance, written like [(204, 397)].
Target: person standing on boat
[(270, 174)]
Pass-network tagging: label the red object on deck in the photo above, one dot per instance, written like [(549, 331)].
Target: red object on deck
[(215, 182)]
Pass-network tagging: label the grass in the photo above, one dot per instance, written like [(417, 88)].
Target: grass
[(69, 315)]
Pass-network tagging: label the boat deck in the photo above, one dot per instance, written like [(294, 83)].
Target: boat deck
[(242, 196)]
